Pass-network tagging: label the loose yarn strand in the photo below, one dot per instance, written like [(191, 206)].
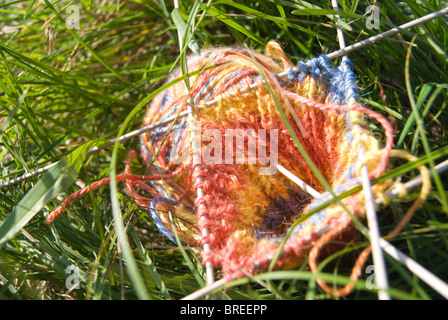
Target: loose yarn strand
[(127, 177)]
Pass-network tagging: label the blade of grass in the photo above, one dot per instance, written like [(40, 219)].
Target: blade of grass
[(421, 130), (130, 263), (233, 24), (73, 33), (278, 20), (56, 180), (55, 76), (185, 31), (424, 92), (151, 267), (194, 270)]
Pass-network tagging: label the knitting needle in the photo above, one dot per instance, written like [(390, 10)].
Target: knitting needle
[(330, 56), (388, 33), (374, 233), (417, 180), (428, 277), (94, 150), (298, 181), (381, 36), (196, 148)]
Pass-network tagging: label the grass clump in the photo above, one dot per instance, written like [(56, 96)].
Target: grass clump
[(63, 85)]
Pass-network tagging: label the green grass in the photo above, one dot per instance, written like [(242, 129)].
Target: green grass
[(61, 88)]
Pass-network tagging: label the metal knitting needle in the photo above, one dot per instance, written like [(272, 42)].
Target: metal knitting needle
[(196, 149), (441, 167), (330, 56), (374, 231), (428, 277), (381, 36), (388, 33), (94, 150), (298, 181)]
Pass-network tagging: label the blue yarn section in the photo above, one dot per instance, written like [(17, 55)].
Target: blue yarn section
[(315, 220), (339, 81), (156, 219), (159, 132), (203, 91), (155, 216)]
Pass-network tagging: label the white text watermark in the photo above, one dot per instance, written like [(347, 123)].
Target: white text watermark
[(229, 146)]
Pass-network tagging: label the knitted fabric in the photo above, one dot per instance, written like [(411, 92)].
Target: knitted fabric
[(248, 214)]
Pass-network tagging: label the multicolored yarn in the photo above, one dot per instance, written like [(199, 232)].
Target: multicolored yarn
[(247, 214)]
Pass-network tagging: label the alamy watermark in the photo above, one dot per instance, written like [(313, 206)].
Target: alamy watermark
[(229, 146), (373, 21), (370, 280), (72, 21), (74, 279)]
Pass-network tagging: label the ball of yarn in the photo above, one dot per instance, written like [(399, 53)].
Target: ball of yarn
[(248, 206)]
